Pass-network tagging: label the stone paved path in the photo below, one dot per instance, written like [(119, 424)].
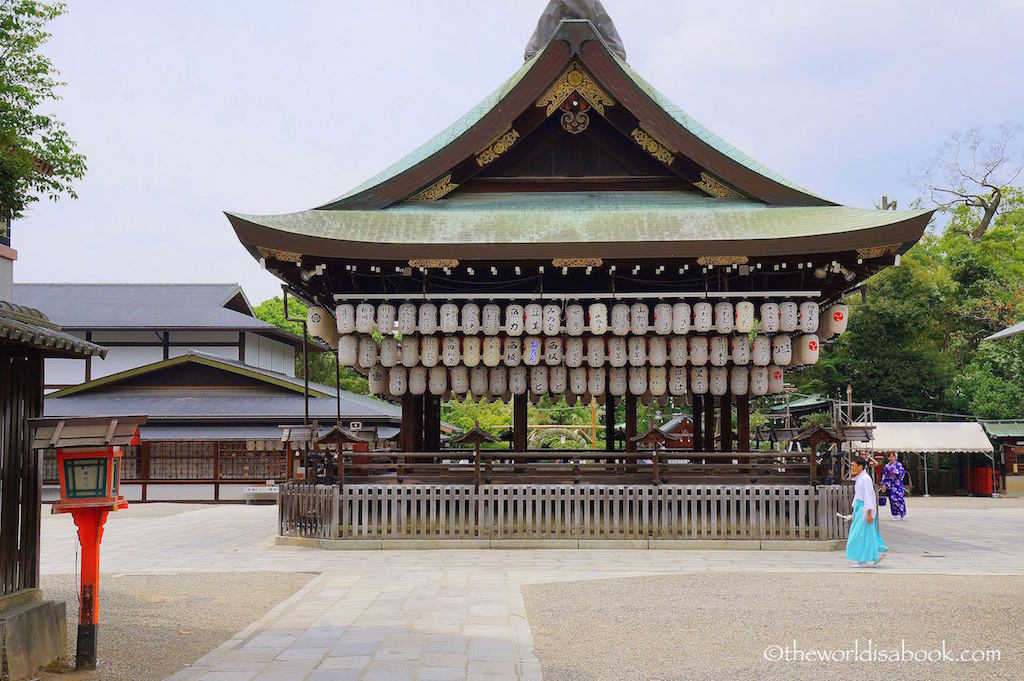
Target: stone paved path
[(459, 614)]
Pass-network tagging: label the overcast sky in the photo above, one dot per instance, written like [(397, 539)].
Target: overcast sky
[(186, 109)]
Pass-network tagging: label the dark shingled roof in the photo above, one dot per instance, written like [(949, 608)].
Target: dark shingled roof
[(25, 326)]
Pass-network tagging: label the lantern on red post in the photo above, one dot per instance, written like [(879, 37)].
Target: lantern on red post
[(89, 455)]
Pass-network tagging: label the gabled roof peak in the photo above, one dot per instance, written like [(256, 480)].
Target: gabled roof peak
[(558, 11)]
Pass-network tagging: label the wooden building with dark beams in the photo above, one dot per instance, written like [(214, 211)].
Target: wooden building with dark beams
[(578, 235)]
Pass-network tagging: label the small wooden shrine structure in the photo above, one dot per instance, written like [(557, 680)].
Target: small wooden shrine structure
[(578, 235)]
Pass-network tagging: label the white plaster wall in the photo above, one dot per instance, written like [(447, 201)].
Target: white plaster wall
[(63, 371), (131, 492), (197, 492), (201, 337), (267, 353), (227, 353), (124, 358), (232, 492)]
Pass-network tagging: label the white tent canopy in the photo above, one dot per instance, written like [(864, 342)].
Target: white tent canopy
[(928, 438)]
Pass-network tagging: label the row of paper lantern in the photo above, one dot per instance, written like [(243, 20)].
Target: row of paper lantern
[(535, 319), (541, 380), (594, 351)]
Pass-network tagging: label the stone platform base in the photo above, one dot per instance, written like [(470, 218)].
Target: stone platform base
[(33, 634), (657, 544)]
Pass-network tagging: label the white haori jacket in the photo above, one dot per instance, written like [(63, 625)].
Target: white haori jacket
[(864, 489)]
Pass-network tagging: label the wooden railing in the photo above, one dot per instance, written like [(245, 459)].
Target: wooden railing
[(560, 511)]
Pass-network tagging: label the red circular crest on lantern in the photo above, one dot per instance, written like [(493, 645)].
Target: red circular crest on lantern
[(778, 374), (813, 345), (838, 316)]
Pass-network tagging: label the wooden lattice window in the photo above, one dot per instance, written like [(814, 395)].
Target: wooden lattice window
[(181, 460), (237, 462)]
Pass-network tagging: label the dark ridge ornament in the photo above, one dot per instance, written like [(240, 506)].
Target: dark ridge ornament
[(590, 10)]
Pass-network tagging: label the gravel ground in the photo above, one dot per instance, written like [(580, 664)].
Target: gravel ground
[(717, 626), (153, 625)]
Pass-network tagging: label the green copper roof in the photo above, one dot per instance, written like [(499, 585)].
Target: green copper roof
[(446, 136), (586, 217), (1004, 429), (703, 133)]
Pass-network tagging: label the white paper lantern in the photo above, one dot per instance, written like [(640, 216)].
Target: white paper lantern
[(839, 314), (698, 351), (449, 318), (657, 381), (430, 351), (724, 317), (617, 381), (471, 350), (406, 319), (744, 316), (578, 380), (617, 354), (534, 319), (573, 352), (598, 319), (410, 349), (620, 319), (637, 351), (789, 316), (491, 351), (460, 380), (558, 380), (761, 354), (595, 381), (533, 351), (739, 378), (595, 351), (808, 316), (740, 350), (366, 318), (677, 380), (470, 319), (575, 320), (663, 319), (367, 352), (499, 381), (552, 320), (782, 350), (492, 319), (703, 316), (718, 381), (681, 317), (513, 354), (657, 351), (517, 380), (398, 381), (515, 319), (699, 380), (427, 321), (479, 380), (386, 314), (451, 354), (538, 380), (639, 318), (320, 324), (437, 380), (348, 351), (388, 351), (346, 317), (759, 381), (776, 380), (718, 350), (552, 351), (677, 351), (377, 378), (418, 380), (769, 317), (637, 380), (809, 348)]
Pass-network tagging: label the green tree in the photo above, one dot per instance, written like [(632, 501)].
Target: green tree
[(321, 364), (37, 156)]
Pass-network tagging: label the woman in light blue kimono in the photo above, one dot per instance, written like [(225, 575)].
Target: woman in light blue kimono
[(864, 546)]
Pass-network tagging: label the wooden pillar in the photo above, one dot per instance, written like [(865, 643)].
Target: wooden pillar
[(520, 422), (698, 423), (725, 418), (743, 423), (216, 470), (630, 400), (609, 420), (431, 423), (406, 439), (417, 429), (709, 423)]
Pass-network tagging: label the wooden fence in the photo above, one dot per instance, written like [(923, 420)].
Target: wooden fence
[(558, 511)]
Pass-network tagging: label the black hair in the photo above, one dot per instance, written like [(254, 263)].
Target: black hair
[(861, 461)]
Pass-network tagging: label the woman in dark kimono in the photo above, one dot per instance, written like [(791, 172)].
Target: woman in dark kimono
[(892, 486)]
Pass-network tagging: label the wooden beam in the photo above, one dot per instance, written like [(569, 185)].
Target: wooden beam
[(698, 423), (406, 440), (520, 422), (630, 401), (709, 423), (725, 418), (432, 423), (743, 423), (609, 419)]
